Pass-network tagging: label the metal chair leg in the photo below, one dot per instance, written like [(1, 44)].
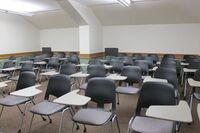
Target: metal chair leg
[(1, 111), (61, 120), (85, 129), (50, 120), (22, 118), (118, 98), (117, 124), (29, 130)]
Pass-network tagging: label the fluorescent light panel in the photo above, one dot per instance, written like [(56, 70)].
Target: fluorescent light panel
[(21, 7), (124, 2)]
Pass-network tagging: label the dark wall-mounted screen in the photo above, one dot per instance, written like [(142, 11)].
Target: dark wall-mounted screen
[(46, 50), (111, 51)]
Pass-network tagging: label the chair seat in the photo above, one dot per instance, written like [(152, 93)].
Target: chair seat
[(16, 78), (46, 108), (151, 125), (84, 86), (127, 90), (197, 96), (13, 100), (92, 116)]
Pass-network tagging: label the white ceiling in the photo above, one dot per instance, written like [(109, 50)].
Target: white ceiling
[(111, 13)]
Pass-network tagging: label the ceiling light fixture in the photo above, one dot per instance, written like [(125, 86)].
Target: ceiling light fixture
[(126, 3), (20, 7)]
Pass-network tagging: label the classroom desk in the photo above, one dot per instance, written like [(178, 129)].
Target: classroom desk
[(108, 66), (73, 99), (22, 62), (82, 65), (27, 92), (184, 78), (184, 64), (48, 74), (77, 76), (150, 79), (3, 75), (11, 70), (2, 85), (198, 110), (40, 63), (194, 84), (116, 77), (178, 113)]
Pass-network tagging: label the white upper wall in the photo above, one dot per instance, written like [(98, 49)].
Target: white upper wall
[(168, 38), (66, 39), (17, 35), (95, 27)]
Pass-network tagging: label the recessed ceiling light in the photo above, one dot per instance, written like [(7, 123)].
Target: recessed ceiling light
[(22, 7), (124, 2)]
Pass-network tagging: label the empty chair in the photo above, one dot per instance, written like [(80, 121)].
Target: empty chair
[(153, 93), (168, 64), (108, 59), (101, 91), (28, 66), (94, 62), (53, 63), (127, 61), (26, 79), (73, 58), (60, 55), (37, 59), (68, 69), (169, 56), (117, 66), (58, 85), (154, 57), (25, 58), (94, 71), (150, 61), (143, 64), (137, 56), (194, 65), (122, 54), (193, 92), (8, 64), (170, 75), (134, 76)]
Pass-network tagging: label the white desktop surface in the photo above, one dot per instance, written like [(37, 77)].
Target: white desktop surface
[(184, 64), (108, 66), (40, 63), (49, 73), (179, 113), (116, 77), (154, 68), (9, 69), (193, 82), (72, 98), (82, 65), (150, 79), (27, 92), (79, 75), (186, 70)]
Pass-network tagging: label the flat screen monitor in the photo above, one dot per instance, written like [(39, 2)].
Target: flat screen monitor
[(111, 51), (46, 50)]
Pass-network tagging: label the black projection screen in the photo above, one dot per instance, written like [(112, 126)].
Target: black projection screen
[(111, 51)]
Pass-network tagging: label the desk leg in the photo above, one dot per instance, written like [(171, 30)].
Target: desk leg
[(182, 78), (185, 88)]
